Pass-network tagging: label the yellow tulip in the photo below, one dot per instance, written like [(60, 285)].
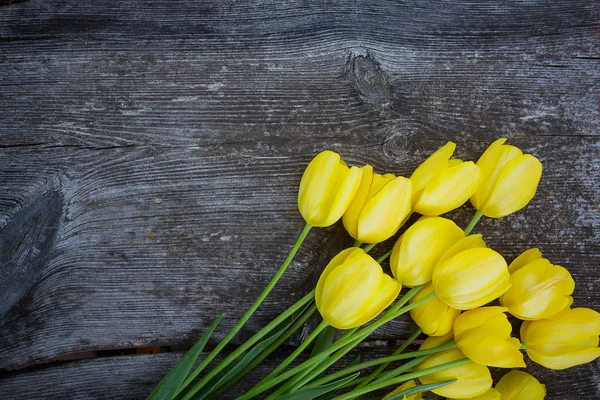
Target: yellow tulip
[(472, 379), (327, 189), (441, 185), (538, 288), (353, 289), (567, 339), (403, 387), (491, 394), (434, 317), (418, 250), (380, 205), (519, 385), (509, 180), (483, 335), (469, 276)]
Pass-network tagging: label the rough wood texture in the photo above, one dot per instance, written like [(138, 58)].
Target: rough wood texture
[(150, 154)]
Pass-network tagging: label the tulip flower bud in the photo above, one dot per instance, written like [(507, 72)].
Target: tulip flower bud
[(469, 276), (434, 317), (483, 335), (509, 180), (471, 379), (418, 250), (519, 385), (380, 205), (567, 339), (441, 185), (538, 289), (327, 189), (353, 289), (491, 394), (403, 387)]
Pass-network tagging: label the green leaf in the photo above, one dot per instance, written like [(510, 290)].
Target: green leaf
[(420, 388), (324, 340), (247, 359), (311, 393), (167, 387)]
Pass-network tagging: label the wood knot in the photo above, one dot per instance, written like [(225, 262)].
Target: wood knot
[(25, 246), (370, 79)]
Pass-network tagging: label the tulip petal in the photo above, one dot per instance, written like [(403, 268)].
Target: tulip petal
[(517, 385), (492, 351), (469, 242), (471, 278), (567, 339), (525, 258), (317, 180), (409, 262), (430, 168), (434, 317), (491, 162), (448, 190), (342, 194), (482, 316), (333, 264), (520, 178), (350, 218), (384, 213), (472, 379), (539, 290)]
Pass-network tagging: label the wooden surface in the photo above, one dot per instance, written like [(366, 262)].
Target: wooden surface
[(150, 154)]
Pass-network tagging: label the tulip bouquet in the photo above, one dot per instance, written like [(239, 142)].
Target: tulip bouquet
[(451, 276)]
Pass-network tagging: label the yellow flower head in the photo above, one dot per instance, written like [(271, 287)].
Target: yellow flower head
[(403, 387), (418, 250), (471, 379), (519, 385), (379, 207), (538, 288), (470, 275), (509, 180), (567, 339), (326, 189), (353, 289), (434, 317), (483, 335), (441, 184)]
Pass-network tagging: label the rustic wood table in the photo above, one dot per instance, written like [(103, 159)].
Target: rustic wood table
[(150, 154)]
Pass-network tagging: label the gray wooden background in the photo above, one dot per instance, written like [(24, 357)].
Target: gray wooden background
[(150, 154)]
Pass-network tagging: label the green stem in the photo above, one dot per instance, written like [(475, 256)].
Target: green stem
[(301, 381), (473, 222), (293, 328), (400, 379), (301, 375), (239, 326), (523, 346), (298, 351), (383, 361), (383, 366), (369, 247), (419, 389), (385, 256), (403, 368), (357, 243), (310, 374), (390, 314)]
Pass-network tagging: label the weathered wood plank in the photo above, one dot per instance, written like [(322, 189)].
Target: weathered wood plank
[(167, 140), (133, 377)]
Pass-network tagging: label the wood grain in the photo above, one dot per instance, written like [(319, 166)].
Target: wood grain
[(155, 148)]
